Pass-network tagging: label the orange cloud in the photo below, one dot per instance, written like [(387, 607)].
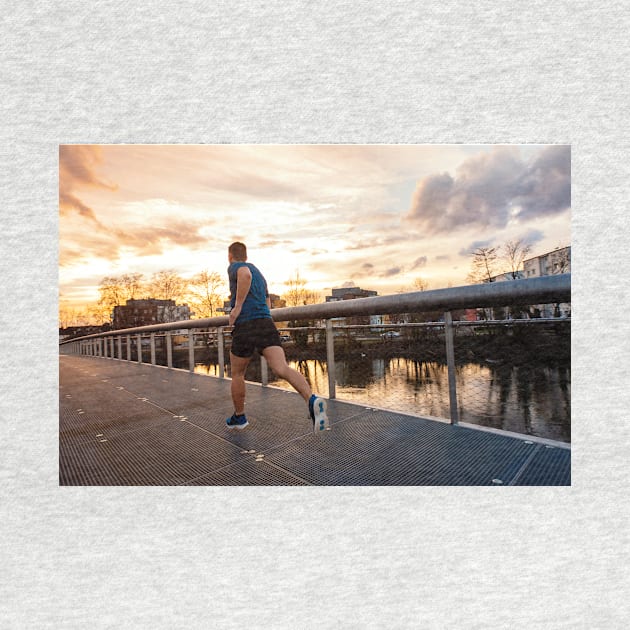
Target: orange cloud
[(77, 169)]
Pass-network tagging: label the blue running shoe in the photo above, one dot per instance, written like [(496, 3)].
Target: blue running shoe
[(317, 411), (237, 422)]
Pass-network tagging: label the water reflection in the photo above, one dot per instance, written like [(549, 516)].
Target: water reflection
[(528, 399)]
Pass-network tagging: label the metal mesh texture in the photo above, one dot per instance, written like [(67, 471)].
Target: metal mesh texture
[(130, 424)]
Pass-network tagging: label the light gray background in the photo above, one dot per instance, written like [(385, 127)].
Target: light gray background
[(311, 72)]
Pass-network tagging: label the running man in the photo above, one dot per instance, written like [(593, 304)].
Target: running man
[(254, 330)]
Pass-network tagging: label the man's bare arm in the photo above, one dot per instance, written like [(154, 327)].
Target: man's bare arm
[(243, 284)]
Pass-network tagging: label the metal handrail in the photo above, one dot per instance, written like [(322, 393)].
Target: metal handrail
[(543, 290)]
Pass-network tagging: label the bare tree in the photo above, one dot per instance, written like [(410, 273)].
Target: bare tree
[(74, 316), (420, 284), (67, 316), (484, 265), (99, 314), (561, 260), (133, 285), (167, 285), (514, 253), (116, 290), (205, 292), (112, 293), (297, 294)]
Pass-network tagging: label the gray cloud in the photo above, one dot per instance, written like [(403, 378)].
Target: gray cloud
[(474, 246), (531, 237), (419, 262), (545, 188), (393, 271), (491, 189)]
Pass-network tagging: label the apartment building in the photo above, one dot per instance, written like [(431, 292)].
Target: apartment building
[(555, 262), (352, 293), (147, 312)]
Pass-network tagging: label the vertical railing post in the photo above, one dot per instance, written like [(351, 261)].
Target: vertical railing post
[(264, 372), (128, 347), (169, 349), (450, 362), (221, 352), (111, 347), (120, 347), (330, 359), (152, 348), (139, 347), (191, 349)]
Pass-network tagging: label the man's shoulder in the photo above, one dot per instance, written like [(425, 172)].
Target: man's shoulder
[(236, 265)]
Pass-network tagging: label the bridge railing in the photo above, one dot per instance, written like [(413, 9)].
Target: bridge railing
[(141, 344)]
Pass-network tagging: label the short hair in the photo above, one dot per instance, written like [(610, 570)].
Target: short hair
[(238, 251)]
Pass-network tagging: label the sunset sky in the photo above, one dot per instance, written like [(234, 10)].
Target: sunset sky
[(374, 216)]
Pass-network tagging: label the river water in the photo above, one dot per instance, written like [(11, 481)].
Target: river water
[(531, 400)]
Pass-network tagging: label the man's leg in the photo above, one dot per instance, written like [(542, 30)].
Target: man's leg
[(238, 366), (316, 405), (277, 361)]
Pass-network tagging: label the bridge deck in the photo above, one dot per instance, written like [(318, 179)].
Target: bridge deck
[(128, 424)]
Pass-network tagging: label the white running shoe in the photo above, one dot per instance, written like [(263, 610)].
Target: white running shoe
[(317, 410)]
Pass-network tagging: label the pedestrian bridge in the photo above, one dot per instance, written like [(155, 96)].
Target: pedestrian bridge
[(135, 424)]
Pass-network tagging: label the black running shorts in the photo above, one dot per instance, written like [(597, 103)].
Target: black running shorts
[(255, 334)]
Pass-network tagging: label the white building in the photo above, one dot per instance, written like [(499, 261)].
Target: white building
[(555, 262), (552, 263)]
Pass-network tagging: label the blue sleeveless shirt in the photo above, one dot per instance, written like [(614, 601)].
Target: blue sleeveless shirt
[(255, 304)]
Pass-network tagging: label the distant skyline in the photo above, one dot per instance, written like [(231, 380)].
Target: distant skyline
[(374, 216)]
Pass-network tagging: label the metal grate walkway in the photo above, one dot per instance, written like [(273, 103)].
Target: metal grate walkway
[(128, 424)]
